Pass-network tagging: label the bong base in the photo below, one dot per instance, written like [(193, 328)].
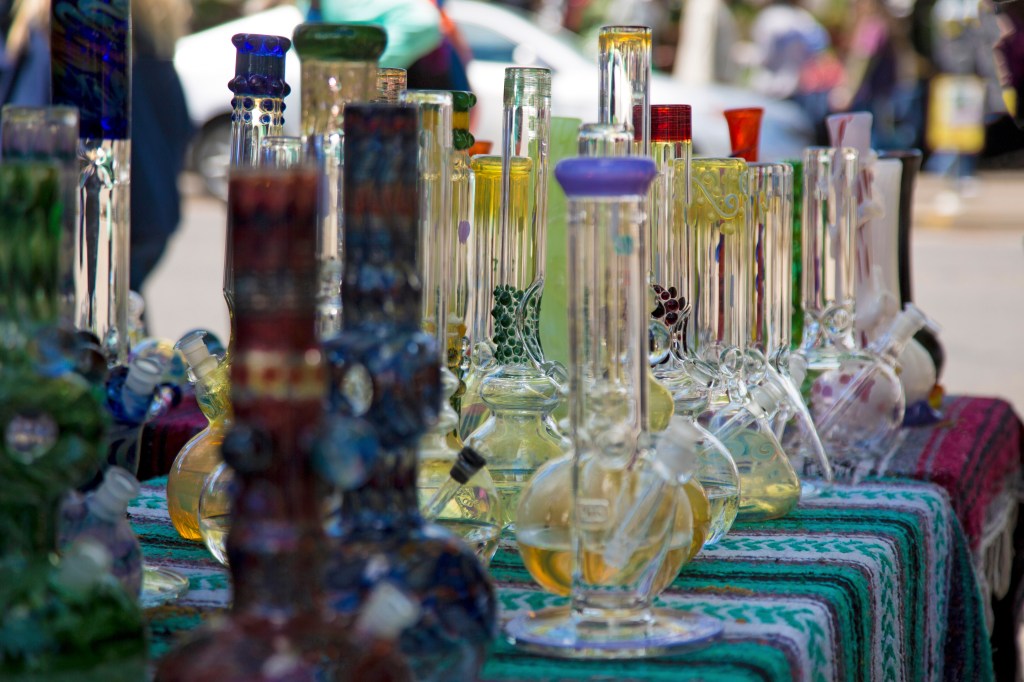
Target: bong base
[(561, 633)]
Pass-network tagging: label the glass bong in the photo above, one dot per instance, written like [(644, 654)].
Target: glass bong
[(508, 371), (475, 512), (339, 66), (619, 539), (716, 342), (829, 221), (385, 395)]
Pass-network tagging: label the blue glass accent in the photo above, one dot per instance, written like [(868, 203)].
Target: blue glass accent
[(90, 55), (605, 176), (259, 65)]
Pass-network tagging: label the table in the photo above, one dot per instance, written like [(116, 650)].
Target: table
[(866, 582)]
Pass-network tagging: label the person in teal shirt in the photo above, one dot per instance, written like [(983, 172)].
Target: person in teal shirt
[(413, 26)]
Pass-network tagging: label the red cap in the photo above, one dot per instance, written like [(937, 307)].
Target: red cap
[(670, 122), (745, 132)]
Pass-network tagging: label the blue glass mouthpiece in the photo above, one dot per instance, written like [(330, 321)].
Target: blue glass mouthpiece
[(605, 176), (259, 65)]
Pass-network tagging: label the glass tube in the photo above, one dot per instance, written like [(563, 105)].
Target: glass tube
[(722, 246), (878, 278), (829, 219), (462, 224), (437, 234), (90, 69), (390, 83), (625, 63), (771, 307), (672, 149), (610, 611), (604, 139), (258, 91), (745, 132), (339, 66), (282, 151), (51, 134), (526, 132)]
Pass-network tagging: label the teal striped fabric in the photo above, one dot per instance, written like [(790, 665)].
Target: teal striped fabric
[(872, 582)]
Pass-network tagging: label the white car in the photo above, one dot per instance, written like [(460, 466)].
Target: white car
[(499, 37)]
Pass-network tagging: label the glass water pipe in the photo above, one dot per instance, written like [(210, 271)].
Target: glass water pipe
[(201, 454), (567, 543), (770, 310), (516, 397), (279, 627), (257, 103), (625, 63), (53, 426), (462, 220), (90, 58), (858, 405), (385, 395), (339, 66)]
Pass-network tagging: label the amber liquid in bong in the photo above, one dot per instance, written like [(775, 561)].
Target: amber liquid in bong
[(547, 552), (769, 488)]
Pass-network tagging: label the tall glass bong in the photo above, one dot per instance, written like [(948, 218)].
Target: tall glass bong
[(508, 371), (618, 540), (339, 66), (90, 69)]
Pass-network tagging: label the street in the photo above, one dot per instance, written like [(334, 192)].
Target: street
[(968, 269)]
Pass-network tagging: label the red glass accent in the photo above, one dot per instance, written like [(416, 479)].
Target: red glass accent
[(745, 132), (480, 147), (669, 122)]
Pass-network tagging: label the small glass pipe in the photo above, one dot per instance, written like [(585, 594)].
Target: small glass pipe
[(465, 467)]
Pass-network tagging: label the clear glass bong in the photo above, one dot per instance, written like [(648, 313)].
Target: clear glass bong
[(828, 344), (508, 373), (716, 342), (339, 66), (475, 513), (618, 541)]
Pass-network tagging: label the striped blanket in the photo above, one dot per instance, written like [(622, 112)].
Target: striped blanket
[(872, 582)]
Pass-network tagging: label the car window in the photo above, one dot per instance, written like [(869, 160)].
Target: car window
[(487, 45)]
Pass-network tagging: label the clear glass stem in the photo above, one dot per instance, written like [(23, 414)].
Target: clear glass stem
[(625, 62)]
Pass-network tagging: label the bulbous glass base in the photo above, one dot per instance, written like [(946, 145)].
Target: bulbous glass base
[(563, 632)]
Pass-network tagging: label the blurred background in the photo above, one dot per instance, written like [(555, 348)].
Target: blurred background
[(944, 76)]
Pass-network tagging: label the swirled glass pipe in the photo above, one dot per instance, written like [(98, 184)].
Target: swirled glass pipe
[(51, 134), (339, 65), (625, 63), (90, 45)]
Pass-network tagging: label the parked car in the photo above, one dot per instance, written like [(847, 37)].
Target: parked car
[(499, 37)]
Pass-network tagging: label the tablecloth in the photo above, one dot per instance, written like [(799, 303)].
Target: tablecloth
[(866, 582)]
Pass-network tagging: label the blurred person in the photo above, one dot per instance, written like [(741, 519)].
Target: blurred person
[(413, 26), (872, 70), (161, 131), (25, 52), (444, 67), (795, 60)]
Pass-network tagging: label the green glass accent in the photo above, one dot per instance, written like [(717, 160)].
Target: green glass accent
[(797, 288), (509, 349), (462, 100), (349, 42), (462, 139)]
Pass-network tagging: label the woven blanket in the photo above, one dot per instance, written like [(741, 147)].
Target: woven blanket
[(872, 582), (973, 453)]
